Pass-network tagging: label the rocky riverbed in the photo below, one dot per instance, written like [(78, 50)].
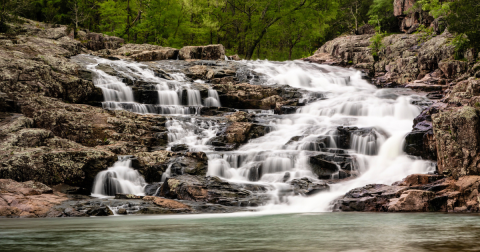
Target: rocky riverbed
[(58, 130)]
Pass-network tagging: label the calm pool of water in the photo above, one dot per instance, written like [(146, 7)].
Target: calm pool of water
[(246, 232)]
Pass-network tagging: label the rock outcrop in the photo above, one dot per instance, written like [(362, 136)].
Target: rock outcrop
[(416, 193), (248, 96), (209, 52), (28, 199), (213, 190), (406, 59), (410, 17)]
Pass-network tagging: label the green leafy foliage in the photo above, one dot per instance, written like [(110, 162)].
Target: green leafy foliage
[(436, 8), (381, 15), (464, 18), (377, 44), (461, 43), (253, 29), (426, 33)]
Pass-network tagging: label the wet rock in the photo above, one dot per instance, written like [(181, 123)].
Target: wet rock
[(240, 132), (152, 165), (180, 147), (127, 196), (421, 142), (345, 138), (153, 189), (326, 166), (305, 186), (214, 111), (247, 96), (122, 211), (213, 190), (99, 211)]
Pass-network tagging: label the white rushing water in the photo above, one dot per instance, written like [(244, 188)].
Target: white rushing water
[(351, 101), (337, 97), (120, 178)]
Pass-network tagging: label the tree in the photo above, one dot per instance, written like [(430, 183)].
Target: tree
[(78, 16), (464, 18), (381, 15), (10, 10)]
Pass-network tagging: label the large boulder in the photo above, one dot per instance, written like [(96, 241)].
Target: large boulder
[(27, 200), (209, 52), (248, 96), (213, 190), (420, 142), (457, 141), (98, 41), (139, 52), (332, 165)]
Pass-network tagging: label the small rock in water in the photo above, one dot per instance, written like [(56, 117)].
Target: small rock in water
[(122, 211), (180, 147)]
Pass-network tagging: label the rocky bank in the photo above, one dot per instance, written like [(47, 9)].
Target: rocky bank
[(445, 132)]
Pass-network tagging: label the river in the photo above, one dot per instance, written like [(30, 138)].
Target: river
[(247, 232)]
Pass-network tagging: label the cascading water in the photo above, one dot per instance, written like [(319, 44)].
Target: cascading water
[(345, 117), (213, 100), (385, 115), (120, 178)]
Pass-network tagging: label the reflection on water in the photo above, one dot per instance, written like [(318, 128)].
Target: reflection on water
[(246, 232)]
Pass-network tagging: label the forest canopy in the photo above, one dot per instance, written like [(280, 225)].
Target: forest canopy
[(273, 29)]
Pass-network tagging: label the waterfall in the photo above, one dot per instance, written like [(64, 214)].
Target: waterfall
[(120, 178), (193, 98), (213, 100), (347, 126), (345, 100), (115, 78), (167, 97)]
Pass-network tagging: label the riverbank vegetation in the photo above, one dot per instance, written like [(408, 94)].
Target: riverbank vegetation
[(273, 29)]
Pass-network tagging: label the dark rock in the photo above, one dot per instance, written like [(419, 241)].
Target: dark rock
[(180, 147), (122, 211), (152, 165), (153, 189), (306, 186)]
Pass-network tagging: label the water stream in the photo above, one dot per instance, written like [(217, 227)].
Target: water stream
[(338, 100)]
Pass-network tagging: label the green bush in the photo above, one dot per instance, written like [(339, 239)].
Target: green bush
[(461, 44), (377, 44)]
